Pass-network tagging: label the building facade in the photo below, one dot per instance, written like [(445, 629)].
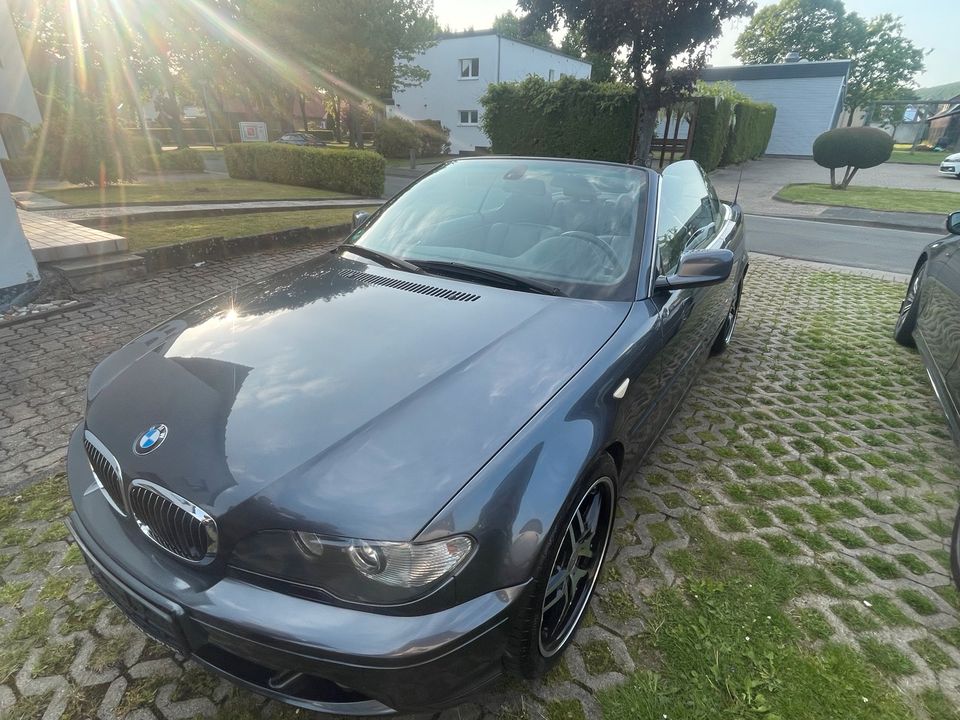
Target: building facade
[(461, 67), (808, 96)]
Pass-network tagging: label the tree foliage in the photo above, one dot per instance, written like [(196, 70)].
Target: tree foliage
[(604, 66), (664, 44), (883, 60), (511, 26), (851, 148)]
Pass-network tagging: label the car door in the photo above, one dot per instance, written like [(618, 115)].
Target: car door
[(689, 219), (939, 318)]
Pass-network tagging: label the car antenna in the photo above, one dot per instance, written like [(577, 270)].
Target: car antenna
[(739, 179)]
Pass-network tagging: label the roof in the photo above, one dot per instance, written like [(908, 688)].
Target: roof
[(778, 71), (952, 111), (940, 92), (491, 32)]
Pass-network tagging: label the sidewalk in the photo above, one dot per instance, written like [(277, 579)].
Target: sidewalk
[(144, 212)]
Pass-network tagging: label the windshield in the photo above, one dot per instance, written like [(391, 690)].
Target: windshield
[(568, 225)]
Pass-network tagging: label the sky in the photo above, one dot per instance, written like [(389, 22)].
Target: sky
[(931, 24)]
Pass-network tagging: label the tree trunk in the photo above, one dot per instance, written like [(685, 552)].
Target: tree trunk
[(851, 171), (833, 178), (337, 123), (645, 126), (303, 109), (850, 117)]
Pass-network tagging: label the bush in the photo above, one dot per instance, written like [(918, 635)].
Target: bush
[(183, 160), (567, 118), (854, 148), (82, 143), (434, 138), (396, 137), (750, 132), (711, 131), (358, 172)]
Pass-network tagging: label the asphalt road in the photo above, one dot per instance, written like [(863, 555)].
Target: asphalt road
[(853, 245)]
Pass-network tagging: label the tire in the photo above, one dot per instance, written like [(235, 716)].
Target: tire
[(955, 551), (722, 341), (536, 642), (910, 309)]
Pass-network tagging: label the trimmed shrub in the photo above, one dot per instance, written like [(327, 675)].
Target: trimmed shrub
[(566, 118), (750, 132), (854, 148), (434, 138), (396, 137), (358, 172), (711, 131), (183, 160)]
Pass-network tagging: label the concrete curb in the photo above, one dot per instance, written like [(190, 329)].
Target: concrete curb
[(879, 224), (219, 248), (103, 222)]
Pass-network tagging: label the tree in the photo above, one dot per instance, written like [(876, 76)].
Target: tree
[(894, 113), (604, 67), (883, 60), (511, 26), (664, 44), (855, 148)]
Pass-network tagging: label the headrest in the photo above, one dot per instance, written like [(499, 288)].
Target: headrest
[(526, 186), (576, 186)]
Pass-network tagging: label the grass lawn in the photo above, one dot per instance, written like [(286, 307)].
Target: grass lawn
[(876, 198), (153, 233), (225, 190), (919, 157)]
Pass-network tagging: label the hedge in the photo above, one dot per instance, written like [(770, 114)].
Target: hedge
[(566, 118), (183, 160), (750, 132), (711, 132), (396, 137), (358, 172)]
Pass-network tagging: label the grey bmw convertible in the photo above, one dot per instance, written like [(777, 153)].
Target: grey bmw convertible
[(379, 480)]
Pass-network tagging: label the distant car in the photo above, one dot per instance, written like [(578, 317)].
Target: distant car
[(929, 320), (950, 165), (300, 138), (381, 479)]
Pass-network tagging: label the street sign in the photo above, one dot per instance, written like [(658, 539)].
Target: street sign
[(253, 132)]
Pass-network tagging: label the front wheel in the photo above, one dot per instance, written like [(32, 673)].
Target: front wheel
[(566, 574), (910, 309)]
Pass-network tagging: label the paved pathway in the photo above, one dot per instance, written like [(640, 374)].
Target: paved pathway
[(93, 213), (815, 436)]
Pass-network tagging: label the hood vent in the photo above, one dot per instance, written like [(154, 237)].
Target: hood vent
[(398, 284)]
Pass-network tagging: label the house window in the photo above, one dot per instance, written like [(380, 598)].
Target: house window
[(550, 76), (469, 117), (469, 68)]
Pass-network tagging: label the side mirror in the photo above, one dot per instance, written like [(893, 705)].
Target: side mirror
[(697, 269), (953, 223), (360, 217)]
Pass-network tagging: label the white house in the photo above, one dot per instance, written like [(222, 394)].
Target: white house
[(461, 66), (18, 106), (808, 97)]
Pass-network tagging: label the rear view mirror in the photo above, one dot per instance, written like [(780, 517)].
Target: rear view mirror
[(697, 269), (360, 217), (953, 223)]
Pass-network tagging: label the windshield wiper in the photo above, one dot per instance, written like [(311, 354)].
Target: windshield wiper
[(380, 257), (493, 277)]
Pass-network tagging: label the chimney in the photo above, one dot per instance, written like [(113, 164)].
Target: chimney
[(792, 57)]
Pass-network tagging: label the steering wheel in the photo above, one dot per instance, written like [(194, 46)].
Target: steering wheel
[(605, 249)]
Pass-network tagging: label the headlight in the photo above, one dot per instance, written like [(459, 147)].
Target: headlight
[(364, 571)]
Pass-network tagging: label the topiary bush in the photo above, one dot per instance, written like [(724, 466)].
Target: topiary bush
[(711, 131), (566, 118), (853, 148), (358, 172), (396, 137)]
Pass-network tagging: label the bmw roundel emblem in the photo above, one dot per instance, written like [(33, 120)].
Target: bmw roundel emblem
[(150, 439)]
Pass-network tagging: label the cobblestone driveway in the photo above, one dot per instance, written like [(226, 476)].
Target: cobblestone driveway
[(815, 435)]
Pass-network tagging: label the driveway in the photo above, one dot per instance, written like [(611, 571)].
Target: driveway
[(815, 442), (763, 178)]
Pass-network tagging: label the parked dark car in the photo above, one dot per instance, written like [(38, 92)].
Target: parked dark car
[(381, 479), (930, 321), (300, 138)]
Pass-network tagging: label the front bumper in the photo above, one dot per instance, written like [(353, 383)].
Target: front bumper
[(952, 169), (316, 656)]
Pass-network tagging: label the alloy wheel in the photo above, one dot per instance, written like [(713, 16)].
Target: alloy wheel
[(576, 567), (909, 299)]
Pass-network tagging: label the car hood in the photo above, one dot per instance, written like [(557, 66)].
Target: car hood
[(952, 158), (337, 397)]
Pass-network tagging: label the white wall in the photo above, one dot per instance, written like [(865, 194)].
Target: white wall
[(805, 108), (17, 265), (444, 95)]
